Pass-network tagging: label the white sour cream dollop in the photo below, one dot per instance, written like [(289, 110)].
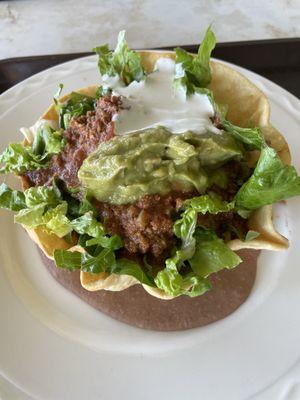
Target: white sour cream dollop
[(154, 101)]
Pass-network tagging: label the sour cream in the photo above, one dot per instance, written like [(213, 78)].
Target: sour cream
[(155, 102)]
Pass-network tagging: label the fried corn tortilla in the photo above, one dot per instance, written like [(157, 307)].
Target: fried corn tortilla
[(246, 104)]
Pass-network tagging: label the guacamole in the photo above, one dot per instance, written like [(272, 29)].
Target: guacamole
[(154, 161)]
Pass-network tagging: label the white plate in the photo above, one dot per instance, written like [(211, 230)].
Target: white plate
[(54, 346)]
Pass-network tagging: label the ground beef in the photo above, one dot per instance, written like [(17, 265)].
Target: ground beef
[(83, 136), (147, 225)]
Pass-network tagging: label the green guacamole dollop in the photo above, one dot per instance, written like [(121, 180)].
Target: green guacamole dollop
[(154, 161)]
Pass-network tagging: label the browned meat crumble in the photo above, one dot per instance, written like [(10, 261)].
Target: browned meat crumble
[(83, 136), (147, 225)]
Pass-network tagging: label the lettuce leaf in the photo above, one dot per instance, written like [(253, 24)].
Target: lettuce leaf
[(173, 283), (37, 206), (270, 182), (192, 72), (112, 242), (70, 260), (192, 284), (45, 207), (97, 264), (123, 62), (185, 226), (87, 224), (78, 104), (251, 137), (56, 222), (211, 254), (212, 204), (132, 268), (105, 261), (31, 217), (47, 141), (19, 159), (76, 208), (13, 200), (184, 229), (37, 195)]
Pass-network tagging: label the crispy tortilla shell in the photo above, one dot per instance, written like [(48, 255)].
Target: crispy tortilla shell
[(246, 105)]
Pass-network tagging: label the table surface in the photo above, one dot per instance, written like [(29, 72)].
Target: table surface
[(32, 27)]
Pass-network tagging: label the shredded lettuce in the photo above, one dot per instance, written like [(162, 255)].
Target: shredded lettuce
[(99, 263), (37, 195), (185, 226), (250, 137), (113, 242), (77, 208), (48, 141), (13, 200), (87, 224), (36, 206), (70, 260), (270, 182), (78, 104), (45, 207), (31, 217), (56, 221), (211, 254), (194, 72), (192, 284), (19, 159), (132, 268), (99, 255), (122, 62), (173, 283), (104, 261), (212, 204)]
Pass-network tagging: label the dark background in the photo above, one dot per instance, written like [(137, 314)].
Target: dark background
[(277, 60)]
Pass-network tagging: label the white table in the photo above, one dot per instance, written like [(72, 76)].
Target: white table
[(31, 27)]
